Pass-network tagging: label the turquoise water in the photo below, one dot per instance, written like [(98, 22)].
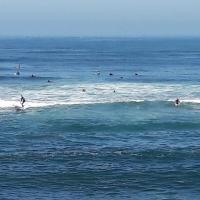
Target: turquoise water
[(129, 144)]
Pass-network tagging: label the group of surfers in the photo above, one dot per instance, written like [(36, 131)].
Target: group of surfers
[(23, 100)]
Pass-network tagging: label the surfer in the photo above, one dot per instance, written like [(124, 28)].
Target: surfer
[(111, 74), (177, 102), (22, 101), (18, 72)]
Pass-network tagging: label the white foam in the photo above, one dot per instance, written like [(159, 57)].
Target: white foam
[(7, 104), (193, 101), (98, 93)]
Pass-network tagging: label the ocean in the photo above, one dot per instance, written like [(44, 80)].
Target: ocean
[(99, 121)]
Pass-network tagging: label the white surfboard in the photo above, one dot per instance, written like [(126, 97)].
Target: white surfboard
[(19, 108)]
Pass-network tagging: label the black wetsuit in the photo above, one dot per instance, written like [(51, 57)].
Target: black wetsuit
[(177, 101), (23, 101)]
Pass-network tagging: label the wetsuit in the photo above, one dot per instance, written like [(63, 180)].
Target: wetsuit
[(23, 101)]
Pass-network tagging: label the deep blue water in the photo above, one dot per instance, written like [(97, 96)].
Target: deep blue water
[(99, 144)]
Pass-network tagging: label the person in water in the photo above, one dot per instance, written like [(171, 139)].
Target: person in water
[(22, 101), (177, 101), (18, 70)]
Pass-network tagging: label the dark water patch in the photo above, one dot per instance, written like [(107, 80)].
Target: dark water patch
[(138, 126), (22, 77)]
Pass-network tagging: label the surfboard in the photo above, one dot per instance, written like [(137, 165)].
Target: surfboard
[(177, 104), (18, 108)]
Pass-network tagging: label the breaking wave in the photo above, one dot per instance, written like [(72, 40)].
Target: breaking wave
[(99, 94)]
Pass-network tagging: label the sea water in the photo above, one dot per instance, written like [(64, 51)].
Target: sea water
[(87, 134)]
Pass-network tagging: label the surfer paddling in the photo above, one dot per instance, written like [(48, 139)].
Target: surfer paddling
[(22, 101)]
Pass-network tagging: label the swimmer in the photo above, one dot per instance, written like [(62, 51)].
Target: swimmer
[(111, 74), (49, 81), (83, 90), (98, 73), (121, 77), (18, 68), (33, 76), (136, 74), (22, 101), (114, 91)]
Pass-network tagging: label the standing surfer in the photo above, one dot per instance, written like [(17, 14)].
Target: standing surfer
[(177, 102), (22, 101)]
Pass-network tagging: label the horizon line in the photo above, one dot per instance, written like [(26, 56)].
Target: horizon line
[(103, 36)]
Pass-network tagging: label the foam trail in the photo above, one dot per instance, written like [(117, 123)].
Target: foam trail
[(192, 101), (7, 104)]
